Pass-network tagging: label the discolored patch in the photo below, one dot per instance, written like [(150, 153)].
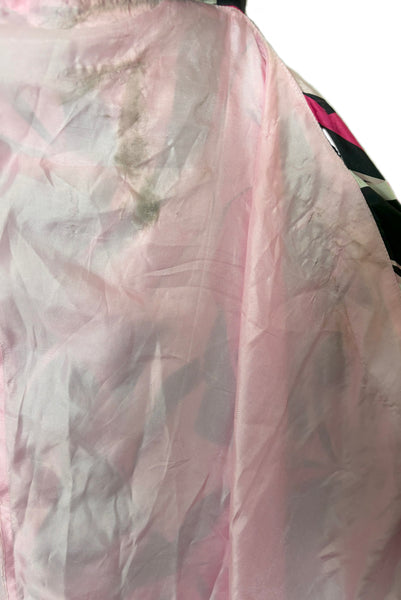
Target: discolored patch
[(131, 150), (147, 208), (132, 154), (92, 8), (82, 78), (131, 157)]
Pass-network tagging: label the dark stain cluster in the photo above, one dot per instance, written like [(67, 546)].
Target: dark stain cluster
[(93, 8), (131, 155)]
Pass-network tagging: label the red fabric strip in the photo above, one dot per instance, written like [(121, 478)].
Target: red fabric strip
[(332, 122)]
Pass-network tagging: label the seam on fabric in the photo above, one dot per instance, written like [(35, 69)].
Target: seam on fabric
[(234, 13), (8, 568), (3, 548), (231, 572), (343, 166)]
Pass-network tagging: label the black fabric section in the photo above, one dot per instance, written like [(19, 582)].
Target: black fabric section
[(354, 157), (332, 143), (322, 102), (395, 204), (241, 4), (387, 215)]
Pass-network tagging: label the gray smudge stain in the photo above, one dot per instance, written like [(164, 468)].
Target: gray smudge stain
[(81, 79), (131, 154), (148, 208), (88, 8)]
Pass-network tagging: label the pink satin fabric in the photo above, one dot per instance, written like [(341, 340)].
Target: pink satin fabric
[(200, 327)]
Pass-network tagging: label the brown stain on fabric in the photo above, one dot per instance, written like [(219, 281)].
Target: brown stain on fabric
[(92, 8), (131, 151), (131, 156), (147, 207), (82, 78)]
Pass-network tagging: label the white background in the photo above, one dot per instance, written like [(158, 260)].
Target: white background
[(350, 51)]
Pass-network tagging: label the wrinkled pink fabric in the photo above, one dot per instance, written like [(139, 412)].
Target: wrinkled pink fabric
[(200, 328)]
